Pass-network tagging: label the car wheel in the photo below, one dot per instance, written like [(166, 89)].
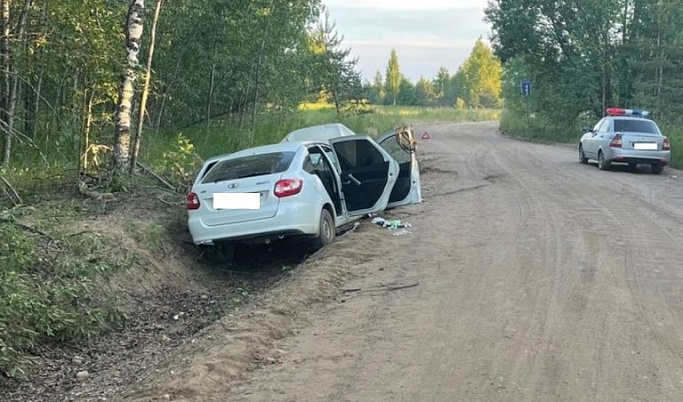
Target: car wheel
[(602, 163), (582, 156), (326, 232), (657, 168)]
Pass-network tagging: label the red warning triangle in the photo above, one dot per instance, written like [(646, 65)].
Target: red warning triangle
[(426, 136)]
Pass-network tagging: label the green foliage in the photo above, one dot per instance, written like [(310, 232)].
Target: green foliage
[(179, 162), (482, 76), (46, 290), (331, 70), (584, 60), (394, 77)]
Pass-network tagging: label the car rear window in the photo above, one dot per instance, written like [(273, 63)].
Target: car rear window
[(636, 126), (250, 166)]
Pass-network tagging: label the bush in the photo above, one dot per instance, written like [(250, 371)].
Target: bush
[(47, 293)]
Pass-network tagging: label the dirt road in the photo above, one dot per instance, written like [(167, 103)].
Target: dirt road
[(540, 279)]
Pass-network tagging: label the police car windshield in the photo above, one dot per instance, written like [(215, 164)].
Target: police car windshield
[(636, 126)]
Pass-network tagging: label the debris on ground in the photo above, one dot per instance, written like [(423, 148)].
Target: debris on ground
[(390, 224), (389, 288)]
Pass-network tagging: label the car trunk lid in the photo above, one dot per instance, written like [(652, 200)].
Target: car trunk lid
[(642, 141), (262, 185)]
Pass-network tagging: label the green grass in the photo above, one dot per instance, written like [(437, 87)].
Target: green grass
[(47, 278), (675, 134), (221, 138)]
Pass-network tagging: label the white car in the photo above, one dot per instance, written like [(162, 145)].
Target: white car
[(308, 188)]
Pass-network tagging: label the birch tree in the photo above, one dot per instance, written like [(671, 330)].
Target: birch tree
[(145, 88), (127, 89), (5, 118)]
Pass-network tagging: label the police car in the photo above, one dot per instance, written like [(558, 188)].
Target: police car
[(625, 136)]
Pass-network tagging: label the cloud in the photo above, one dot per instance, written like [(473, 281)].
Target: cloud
[(407, 4), (426, 34)]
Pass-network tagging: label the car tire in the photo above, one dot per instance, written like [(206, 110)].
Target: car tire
[(602, 163), (582, 156), (657, 168), (326, 230)]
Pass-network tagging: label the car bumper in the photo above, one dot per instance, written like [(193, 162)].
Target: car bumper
[(288, 221), (638, 157)]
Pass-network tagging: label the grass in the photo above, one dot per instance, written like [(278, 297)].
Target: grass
[(675, 134), (221, 138), (47, 281)]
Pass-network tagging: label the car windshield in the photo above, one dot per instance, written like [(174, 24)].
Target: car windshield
[(250, 166), (636, 126)]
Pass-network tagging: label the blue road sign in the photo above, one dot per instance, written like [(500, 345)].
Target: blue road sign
[(526, 87)]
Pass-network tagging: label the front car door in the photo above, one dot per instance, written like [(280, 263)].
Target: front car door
[(368, 174), (401, 145)]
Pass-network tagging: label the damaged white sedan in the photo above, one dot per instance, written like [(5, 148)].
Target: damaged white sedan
[(302, 186)]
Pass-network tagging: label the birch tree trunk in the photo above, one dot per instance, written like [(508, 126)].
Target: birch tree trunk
[(6, 84), (258, 66), (145, 88), (127, 89), (212, 83)]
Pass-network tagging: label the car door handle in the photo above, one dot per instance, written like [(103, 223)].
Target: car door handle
[(352, 180)]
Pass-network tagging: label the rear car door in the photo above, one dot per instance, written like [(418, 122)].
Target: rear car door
[(368, 174), (590, 145), (401, 145)]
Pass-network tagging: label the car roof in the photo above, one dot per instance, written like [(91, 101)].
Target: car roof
[(322, 132), (264, 149)]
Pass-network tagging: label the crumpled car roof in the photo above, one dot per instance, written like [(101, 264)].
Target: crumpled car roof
[(322, 132)]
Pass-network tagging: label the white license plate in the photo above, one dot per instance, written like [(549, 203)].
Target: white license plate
[(646, 146), (237, 201)]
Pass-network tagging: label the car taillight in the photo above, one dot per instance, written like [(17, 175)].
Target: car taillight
[(616, 141), (192, 201), (288, 187), (667, 145)]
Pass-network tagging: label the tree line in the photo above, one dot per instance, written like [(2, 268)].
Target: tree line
[(476, 84), (585, 56), (79, 77)]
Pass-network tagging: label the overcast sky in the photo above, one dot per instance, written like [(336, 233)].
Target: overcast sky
[(427, 34)]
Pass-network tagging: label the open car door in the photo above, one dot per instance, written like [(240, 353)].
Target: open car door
[(368, 174), (401, 145)]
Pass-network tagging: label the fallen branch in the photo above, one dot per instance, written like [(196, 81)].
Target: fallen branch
[(170, 204), (26, 227), (84, 190), (17, 200), (161, 179), (389, 288)]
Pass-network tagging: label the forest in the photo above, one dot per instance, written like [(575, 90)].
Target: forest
[(88, 82), (585, 56)]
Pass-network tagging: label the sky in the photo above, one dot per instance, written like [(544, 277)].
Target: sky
[(427, 34)]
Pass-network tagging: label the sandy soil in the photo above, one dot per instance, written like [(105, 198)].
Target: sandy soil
[(538, 279)]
